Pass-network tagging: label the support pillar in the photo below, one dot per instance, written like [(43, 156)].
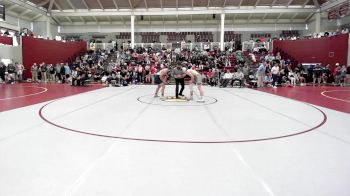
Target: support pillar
[(222, 31), (132, 31)]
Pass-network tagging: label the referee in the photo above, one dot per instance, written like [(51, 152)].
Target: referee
[(179, 76)]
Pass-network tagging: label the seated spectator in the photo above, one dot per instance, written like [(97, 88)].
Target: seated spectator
[(226, 78), (11, 69), (114, 79), (292, 78), (238, 76), (210, 77), (74, 76), (268, 80), (9, 78)]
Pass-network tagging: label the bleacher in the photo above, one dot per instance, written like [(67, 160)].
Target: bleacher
[(230, 35), (203, 36), (149, 37), (124, 35), (176, 36), (286, 34)]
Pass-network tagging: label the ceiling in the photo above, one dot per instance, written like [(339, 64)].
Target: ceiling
[(68, 12)]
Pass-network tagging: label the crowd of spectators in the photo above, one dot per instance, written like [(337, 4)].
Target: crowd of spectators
[(317, 35), (218, 68)]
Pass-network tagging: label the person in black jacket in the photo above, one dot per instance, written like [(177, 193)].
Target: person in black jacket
[(2, 71), (63, 74)]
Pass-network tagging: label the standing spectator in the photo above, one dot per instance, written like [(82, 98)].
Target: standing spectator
[(317, 73), (20, 69), (261, 74), (63, 74), (246, 71), (275, 71), (58, 72), (67, 72), (52, 73), (43, 71), (34, 70), (2, 72), (337, 74), (326, 73), (343, 75)]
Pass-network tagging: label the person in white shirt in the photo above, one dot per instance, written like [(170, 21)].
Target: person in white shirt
[(226, 78), (275, 72), (292, 77)]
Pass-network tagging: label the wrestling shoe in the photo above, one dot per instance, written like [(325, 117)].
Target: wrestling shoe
[(201, 100)]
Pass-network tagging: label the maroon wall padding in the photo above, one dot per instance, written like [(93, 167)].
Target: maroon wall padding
[(6, 40), (316, 50), (49, 51)]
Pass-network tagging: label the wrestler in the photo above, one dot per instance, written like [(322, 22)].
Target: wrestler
[(160, 79), (196, 78)]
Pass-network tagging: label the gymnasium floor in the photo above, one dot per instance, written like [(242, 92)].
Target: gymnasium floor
[(62, 140)]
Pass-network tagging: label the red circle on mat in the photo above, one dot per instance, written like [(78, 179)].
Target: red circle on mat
[(324, 120)]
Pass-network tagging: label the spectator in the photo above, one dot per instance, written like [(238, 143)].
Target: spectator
[(20, 69), (338, 74), (11, 69), (261, 74), (226, 78), (34, 70), (43, 71), (238, 76), (2, 72), (343, 75), (275, 71), (317, 73), (52, 73), (9, 78)]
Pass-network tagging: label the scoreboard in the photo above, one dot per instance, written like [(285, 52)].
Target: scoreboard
[(2, 12)]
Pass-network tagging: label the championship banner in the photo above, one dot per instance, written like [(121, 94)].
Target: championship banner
[(332, 15), (343, 10)]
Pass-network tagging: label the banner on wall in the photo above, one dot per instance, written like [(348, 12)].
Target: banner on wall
[(332, 15), (340, 11), (343, 10)]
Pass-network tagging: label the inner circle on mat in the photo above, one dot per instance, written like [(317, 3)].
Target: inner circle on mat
[(172, 101), (240, 117)]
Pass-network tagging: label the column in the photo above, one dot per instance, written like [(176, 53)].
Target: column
[(48, 28), (222, 31), (318, 22), (132, 31)]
